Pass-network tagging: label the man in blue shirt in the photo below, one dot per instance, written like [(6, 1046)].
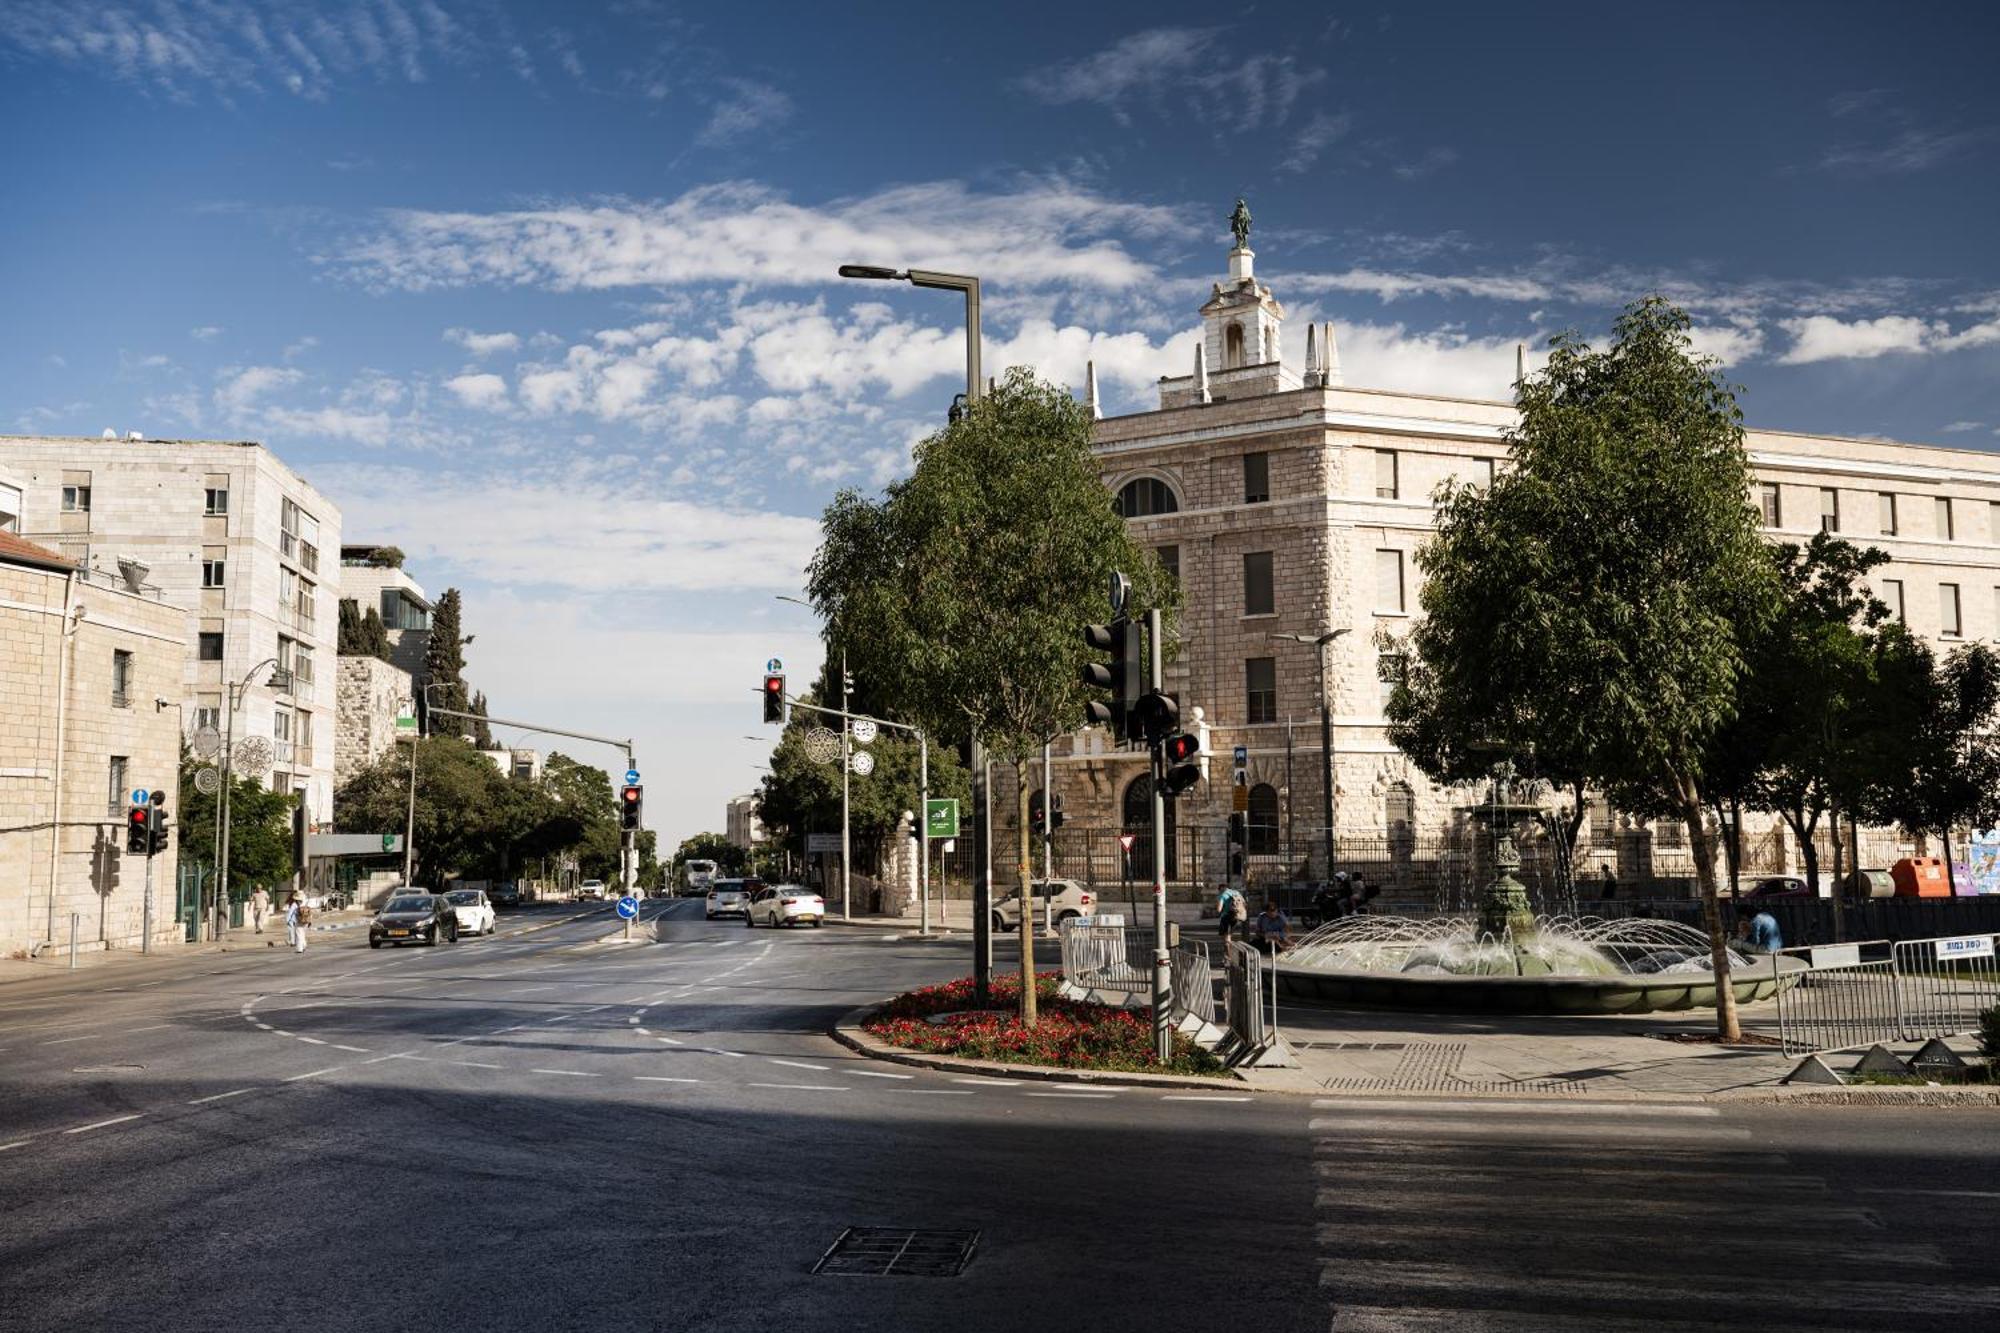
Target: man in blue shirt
[(1760, 933), (1271, 927)]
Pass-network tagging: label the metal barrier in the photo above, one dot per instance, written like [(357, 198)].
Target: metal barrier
[(1102, 957), (1944, 984), (1193, 985), (1250, 990), (1843, 1000)]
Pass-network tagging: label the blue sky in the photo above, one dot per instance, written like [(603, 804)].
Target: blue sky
[(544, 293)]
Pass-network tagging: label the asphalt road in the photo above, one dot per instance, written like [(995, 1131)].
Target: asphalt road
[(536, 1131)]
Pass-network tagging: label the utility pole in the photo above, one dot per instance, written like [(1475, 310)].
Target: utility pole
[(1163, 1029), (846, 759), (410, 819)]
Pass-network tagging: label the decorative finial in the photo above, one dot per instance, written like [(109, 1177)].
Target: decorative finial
[(1200, 375), (1239, 225), (1312, 356), (1520, 364), (1090, 390), (1329, 359)]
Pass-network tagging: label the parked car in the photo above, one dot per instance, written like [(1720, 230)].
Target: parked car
[(474, 911), (1778, 888), (507, 893), (413, 916), (591, 888), (785, 905), (1062, 899), (726, 897)]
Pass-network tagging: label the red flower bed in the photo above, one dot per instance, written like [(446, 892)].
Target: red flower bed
[(1069, 1034)]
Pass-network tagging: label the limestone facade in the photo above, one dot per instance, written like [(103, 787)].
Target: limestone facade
[(82, 663), (240, 543), (369, 695), (399, 599), (1291, 504)]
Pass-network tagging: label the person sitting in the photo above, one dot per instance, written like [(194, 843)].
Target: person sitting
[(1271, 929), (1759, 933)]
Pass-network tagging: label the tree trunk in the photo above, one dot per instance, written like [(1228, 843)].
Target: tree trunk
[(1726, 1025), (1839, 856), (1025, 878), (1808, 853)]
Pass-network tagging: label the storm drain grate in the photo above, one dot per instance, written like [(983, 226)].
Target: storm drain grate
[(897, 1252)]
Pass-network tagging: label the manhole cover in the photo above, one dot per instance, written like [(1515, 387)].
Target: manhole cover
[(898, 1252)]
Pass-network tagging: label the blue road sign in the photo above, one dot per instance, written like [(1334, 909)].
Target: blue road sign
[(1242, 755), (628, 908), (631, 776), (774, 665), (139, 795)]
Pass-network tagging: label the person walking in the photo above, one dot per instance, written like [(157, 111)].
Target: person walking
[(1229, 913), (1610, 883), (298, 923), (260, 903)]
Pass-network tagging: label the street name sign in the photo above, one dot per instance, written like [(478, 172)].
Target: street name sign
[(628, 908), (941, 817), (822, 842), (1965, 946), (352, 844)]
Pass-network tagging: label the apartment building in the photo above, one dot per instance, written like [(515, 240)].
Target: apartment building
[(373, 576), (226, 532)]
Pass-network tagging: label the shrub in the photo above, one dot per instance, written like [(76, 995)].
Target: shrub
[(1989, 1033)]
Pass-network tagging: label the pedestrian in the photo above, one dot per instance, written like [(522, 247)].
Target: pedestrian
[(1326, 899), (1273, 931), (1229, 912), (298, 922), (1759, 933), (260, 903), (1610, 883)]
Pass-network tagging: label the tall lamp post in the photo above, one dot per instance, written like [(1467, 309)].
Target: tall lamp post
[(235, 690), (975, 389), (1320, 642)]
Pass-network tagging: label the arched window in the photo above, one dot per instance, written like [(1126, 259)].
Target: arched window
[(1400, 808), (1146, 496), (1139, 821), (1232, 347), (1263, 821)]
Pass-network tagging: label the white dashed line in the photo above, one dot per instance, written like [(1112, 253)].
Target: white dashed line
[(18, 1143), (358, 1050), (663, 1078), (216, 1097), (59, 1041), (673, 1041), (797, 1064), (315, 1073), (154, 1028), (802, 1087), (567, 1073), (1200, 1097), (979, 1082), (717, 1050), (876, 1073), (115, 1120), (314, 1040), (934, 1092), (1070, 1094)]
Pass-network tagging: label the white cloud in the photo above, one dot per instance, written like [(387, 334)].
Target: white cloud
[(1427, 163), (1958, 427), (748, 109), (1825, 338), (483, 344), (487, 393), (240, 387), (1047, 232), (1731, 344), (205, 332), (1319, 134), (1182, 66), (1390, 356), (1390, 286)]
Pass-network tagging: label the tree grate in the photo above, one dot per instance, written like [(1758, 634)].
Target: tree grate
[(897, 1252)]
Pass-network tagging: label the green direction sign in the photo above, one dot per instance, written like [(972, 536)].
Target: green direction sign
[(389, 841), (941, 818)]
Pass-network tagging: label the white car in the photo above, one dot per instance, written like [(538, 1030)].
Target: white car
[(726, 897), (590, 888), (785, 905), (1056, 901), (474, 911)]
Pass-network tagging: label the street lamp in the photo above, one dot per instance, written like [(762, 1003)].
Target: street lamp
[(235, 690), (950, 282), (1320, 642), (845, 756)]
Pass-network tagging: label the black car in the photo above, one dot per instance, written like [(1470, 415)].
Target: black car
[(506, 894), (413, 917)]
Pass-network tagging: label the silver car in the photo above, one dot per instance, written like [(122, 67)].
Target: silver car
[(726, 897), (1057, 900)]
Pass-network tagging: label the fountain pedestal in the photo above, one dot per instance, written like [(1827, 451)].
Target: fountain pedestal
[(1503, 903)]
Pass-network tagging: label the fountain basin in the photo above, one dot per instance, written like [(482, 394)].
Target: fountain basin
[(1633, 993)]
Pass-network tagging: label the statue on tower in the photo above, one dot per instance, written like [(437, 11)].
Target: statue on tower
[(1239, 223)]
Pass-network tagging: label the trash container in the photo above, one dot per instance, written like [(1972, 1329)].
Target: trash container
[(1920, 877), (1871, 884)]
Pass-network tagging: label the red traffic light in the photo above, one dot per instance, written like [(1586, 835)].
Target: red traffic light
[(774, 684), (1182, 748), (631, 794)]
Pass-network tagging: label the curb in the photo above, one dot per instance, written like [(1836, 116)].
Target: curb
[(910, 927), (849, 1033), (1859, 1096)]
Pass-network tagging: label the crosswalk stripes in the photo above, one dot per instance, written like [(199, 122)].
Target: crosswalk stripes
[(1599, 1218)]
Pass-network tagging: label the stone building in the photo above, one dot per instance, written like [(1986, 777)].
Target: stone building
[(371, 577), (742, 827), (369, 695), (1292, 506), (243, 545), (91, 677)]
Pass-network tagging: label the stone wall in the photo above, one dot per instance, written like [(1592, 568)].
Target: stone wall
[(369, 693)]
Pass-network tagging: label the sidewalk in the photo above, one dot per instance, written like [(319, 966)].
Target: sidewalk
[(956, 916)]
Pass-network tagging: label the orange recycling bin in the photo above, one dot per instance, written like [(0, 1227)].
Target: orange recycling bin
[(1920, 877)]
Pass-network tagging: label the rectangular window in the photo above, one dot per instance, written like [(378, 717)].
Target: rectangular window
[(288, 589), (1829, 509), (119, 793), (309, 557), (302, 664), (1993, 521), (1944, 530), (121, 678), (1389, 583), (1887, 501), (76, 500), (1260, 687), (208, 716), (1385, 474), (10, 509), (281, 736), (1256, 478), (1949, 625), (1260, 596), (1388, 675), (305, 732), (212, 572), (208, 646), (1767, 500), (1170, 560), (307, 602), (1482, 473), (216, 501), (1892, 597)]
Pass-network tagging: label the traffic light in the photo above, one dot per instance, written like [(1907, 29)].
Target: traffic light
[(1055, 812), (1124, 675), (138, 829), (774, 698), (628, 806), (1239, 830), (1182, 753), (1038, 811), (299, 834), (156, 830), (1154, 717)]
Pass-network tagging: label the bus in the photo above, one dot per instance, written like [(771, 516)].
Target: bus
[(699, 875)]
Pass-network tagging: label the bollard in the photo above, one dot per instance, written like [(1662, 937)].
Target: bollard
[(72, 941)]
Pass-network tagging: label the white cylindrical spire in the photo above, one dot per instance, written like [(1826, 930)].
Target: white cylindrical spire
[(1312, 355), (1329, 358), (1200, 374), (1090, 390)]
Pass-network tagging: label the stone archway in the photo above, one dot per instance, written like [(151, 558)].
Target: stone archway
[(1138, 820)]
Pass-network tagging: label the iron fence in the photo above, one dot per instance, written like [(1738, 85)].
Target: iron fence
[(1848, 997), (1944, 984), (1193, 985), (1096, 956)]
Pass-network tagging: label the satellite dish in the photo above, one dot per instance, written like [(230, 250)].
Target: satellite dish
[(207, 781), (109, 433), (207, 742)]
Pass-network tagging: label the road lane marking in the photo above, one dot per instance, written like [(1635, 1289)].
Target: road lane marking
[(567, 1073), (1941, 1194), (154, 1028), (803, 1087), (1070, 1094), (95, 1036), (18, 1143), (358, 1050), (663, 1078), (115, 1120), (1200, 1097), (1529, 1108), (673, 1041), (314, 1040), (876, 1073), (216, 1097), (796, 1064), (982, 1082), (474, 1064), (315, 1073), (935, 1092), (717, 1050)]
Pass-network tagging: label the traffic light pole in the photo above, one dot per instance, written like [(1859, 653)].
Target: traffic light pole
[(1163, 1029), (146, 940)]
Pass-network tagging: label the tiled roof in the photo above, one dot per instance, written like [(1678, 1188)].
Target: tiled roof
[(21, 551)]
